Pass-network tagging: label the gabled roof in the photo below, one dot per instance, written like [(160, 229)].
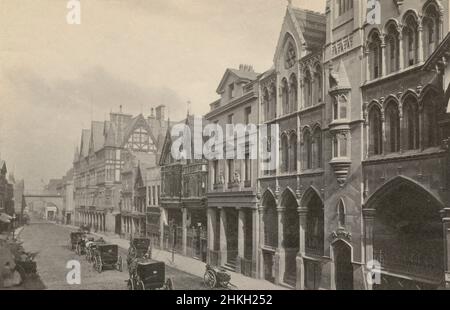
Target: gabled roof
[(246, 75), (3, 169), (339, 79), (97, 137), (309, 31), (110, 135), (134, 124), (313, 27)]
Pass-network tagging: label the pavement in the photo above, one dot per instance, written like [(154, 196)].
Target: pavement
[(192, 266)]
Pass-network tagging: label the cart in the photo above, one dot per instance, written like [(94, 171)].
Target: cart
[(147, 274), (107, 256)]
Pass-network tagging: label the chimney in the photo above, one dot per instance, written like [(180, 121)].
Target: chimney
[(160, 112), (246, 68)]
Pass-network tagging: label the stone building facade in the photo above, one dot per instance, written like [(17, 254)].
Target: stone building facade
[(232, 203), (361, 182)]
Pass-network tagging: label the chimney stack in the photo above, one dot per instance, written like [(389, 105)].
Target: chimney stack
[(160, 112)]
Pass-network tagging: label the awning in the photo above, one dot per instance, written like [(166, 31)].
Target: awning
[(5, 218)]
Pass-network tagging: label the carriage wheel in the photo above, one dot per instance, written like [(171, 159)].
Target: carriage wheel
[(99, 265), (141, 286), (120, 264), (210, 279), (169, 284)]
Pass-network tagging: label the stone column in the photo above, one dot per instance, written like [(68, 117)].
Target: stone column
[(383, 56), (255, 242), (161, 228), (261, 242), (223, 236), (280, 254), (184, 231), (401, 54), (369, 219), (446, 226), (241, 240), (212, 220), (420, 49), (303, 213), (367, 58)]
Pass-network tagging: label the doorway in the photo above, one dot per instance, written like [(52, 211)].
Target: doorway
[(343, 266)]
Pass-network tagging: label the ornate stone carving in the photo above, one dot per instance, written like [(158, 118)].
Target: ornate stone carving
[(341, 234)]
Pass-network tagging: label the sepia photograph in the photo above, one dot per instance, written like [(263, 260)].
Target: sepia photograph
[(244, 147)]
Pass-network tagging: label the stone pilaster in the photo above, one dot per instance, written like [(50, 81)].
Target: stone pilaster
[(300, 284)]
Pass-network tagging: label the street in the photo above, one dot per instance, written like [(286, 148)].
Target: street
[(51, 241)]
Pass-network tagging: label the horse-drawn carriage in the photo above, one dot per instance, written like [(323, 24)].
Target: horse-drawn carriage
[(139, 248), (91, 246), (107, 256), (147, 274), (75, 238)]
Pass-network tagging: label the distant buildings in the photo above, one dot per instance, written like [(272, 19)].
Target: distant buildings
[(6, 195), (99, 161)]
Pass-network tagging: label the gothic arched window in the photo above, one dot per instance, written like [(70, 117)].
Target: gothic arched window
[(307, 140), (392, 48), (392, 128), (284, 153), (317, 148), (293, 152), (375, 131), (411, 124), (293, 93), (375, 55), (273, 101), (410, 41), (318, 88), (285, 96), (307, 88), (431, 31), (430, 132), (341, 214)]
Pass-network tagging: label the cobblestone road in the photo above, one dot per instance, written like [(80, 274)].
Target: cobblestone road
[(51, 241)]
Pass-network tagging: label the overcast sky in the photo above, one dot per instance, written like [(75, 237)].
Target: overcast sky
[(137, 53)]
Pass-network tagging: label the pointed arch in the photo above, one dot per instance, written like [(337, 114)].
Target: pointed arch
[(375, 130), (411, 47), (284, 152), (393, 185), (431, 22), (392, 41), (341, 212), (285, 96), (429, 102), (293, 151), (311, 192), (375, 58), (287, 196), (293, 93), (410, 126), (392, 125), (270, 219), (268, 196), (315, 222)]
